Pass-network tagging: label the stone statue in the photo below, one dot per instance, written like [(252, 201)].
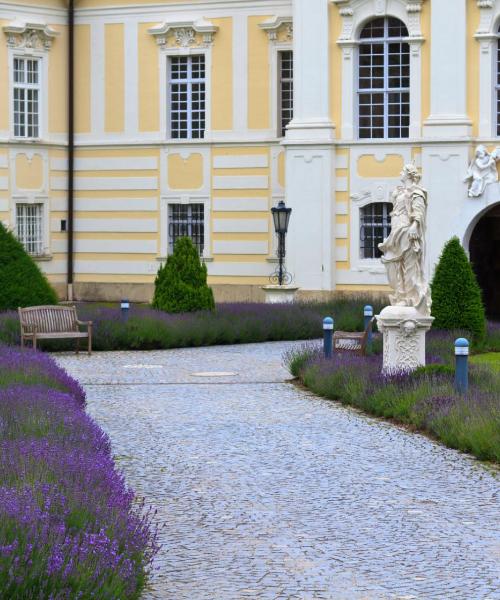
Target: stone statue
[(404, 249), (482, 170)]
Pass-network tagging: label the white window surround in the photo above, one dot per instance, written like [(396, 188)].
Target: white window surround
[(355, 14), (487, 37), (30, 40), (184, 43)]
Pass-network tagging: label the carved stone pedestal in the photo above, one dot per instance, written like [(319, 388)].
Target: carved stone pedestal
[(404, 330), (276, 294)]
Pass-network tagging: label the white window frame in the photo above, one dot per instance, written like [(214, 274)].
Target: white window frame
[(279, 58), (386, 90), (189, 81), (361, 209), (355, 14), (42, 94), (192, 202), (274, 49), (166, 53), (26, 87), (40, 226)]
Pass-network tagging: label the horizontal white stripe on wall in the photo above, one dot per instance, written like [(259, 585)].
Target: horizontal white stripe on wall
[(341, 208), (4, 183), (240, 225), (241, 204), (116, 267), (240, 247), (342, 161), (106, 246), (247, 161), (107, 204), (106, 183), (4, 204), (341, 253), (4, 161), (242, 269), (342, 184), (107, 164), (241, 182), (340, 230), (115, 225)]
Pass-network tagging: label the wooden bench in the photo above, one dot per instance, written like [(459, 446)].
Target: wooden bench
[(355, 342), (53, 322)]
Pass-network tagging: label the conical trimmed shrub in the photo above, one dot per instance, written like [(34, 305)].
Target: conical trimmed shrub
[(21, 281), (181, 283), (456, 295)]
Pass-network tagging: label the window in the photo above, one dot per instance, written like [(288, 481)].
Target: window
[(285, 62), (186, 220), (384, 80), (187, 97), (29, 227), (375, 220), (26, 97)]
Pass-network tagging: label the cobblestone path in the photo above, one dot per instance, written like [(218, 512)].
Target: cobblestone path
[(270, 492)]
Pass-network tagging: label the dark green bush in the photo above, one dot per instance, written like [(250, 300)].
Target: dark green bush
[(181, 283), (456, 295), (21, 281)]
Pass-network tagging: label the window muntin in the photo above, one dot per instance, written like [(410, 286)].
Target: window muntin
[(187, 97), (186, 220), (384, 80), (29, 226), (26, 90), (285, 64), (375, 226)]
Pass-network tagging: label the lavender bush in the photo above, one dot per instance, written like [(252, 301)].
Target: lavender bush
[(69, 527), (424, 399)]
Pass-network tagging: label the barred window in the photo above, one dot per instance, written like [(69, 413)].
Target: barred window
[(26, 90), (375, 221), (285, 61), (497, 86), (29, 227), (187, 97), (384, 80), (186, 220)]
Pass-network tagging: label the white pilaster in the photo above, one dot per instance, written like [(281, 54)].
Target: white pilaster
[(448, 116), (311, 121)]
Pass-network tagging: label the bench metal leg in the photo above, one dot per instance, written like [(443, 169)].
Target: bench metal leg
[(34, 342), (78, 345), (89, 347)]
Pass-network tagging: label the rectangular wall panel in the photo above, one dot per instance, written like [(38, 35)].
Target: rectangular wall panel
[(240, 225), (110, 246), (242, 269), (240, 247), (106, 183), (240, 204), (247, 161), (108, 204), (114, 225), (114, 163), (240, 182)]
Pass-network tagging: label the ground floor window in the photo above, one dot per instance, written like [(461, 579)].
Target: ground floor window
[(186, 220), (375, 222), (29, 227)]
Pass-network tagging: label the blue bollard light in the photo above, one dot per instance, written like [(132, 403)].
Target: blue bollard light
[(368, 314), (461, 365), (328, 337), (125, 307)]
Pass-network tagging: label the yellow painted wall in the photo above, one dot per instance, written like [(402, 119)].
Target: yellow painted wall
[(185, 174), (369, 166), (425, 20), (222, 75), (114, 119), (258, 75), (4, 89), (149, 88), (29, 173), (473, 51), (82, 79), (58, 70), (335, 53)]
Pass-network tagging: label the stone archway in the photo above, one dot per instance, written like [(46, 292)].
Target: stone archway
[(484, 250)]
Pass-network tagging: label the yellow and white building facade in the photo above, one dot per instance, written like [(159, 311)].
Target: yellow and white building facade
[(197, 117)]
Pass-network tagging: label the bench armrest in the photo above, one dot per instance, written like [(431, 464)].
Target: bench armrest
[(88, 323)]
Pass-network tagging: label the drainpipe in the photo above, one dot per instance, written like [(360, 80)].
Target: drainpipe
[(71, 142)]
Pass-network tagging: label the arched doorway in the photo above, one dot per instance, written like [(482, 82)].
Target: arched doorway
[(484, 249)]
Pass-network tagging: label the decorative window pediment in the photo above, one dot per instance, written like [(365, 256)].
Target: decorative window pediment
[(278, 29), (29, 36), (184, 34)]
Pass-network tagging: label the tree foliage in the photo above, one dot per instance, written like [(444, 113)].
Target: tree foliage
[(456, 295), (21, 281), (181, 283)]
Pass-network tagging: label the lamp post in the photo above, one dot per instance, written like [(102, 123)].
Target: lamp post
[(281, 217)]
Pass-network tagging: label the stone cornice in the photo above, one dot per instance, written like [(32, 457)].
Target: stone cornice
[(29, 36), (184, 33), (273, 26)]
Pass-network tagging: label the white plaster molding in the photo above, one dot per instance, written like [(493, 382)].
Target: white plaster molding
[(273, 26), (29, 36), (184, 33)]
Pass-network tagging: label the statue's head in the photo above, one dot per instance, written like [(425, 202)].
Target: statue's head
[(410, 173), (481, 151)]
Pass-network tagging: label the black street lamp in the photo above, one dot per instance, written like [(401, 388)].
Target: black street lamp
[(281, 217)]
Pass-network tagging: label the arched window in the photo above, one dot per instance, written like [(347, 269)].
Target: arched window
[(375, 226), (384, 80)]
